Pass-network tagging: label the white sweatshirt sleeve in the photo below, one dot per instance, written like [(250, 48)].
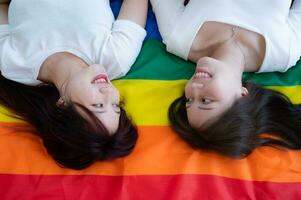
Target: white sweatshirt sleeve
[(295, 17), (295, 22), (296, 7), (122, 47), (4, 30)]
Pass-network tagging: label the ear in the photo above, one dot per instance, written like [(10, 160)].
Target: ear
[(244, 91), (62, 102)]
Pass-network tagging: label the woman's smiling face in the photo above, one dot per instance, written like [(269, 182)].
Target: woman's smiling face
[(92, 89), (210, 92)]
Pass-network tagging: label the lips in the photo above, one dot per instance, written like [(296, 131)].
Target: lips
[(202, 73), (101, 80)]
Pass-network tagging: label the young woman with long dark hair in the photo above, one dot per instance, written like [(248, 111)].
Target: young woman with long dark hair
[(57, 59), (226, 38)]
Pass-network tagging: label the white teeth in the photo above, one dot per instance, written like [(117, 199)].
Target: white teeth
[(202, 75), (100, 80)]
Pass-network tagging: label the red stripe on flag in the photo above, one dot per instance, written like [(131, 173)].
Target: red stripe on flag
[(176, 187)]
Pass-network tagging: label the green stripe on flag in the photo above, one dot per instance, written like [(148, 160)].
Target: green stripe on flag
[(154, 63)]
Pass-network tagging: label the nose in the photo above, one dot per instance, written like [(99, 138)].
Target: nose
[(104, 90)]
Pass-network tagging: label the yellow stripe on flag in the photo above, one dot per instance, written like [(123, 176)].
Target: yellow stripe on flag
[(7, 116), (147, 101), (293, 92)]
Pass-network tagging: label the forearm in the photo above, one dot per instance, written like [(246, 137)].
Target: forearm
[(4, 1), (134, 10), (3, 13)]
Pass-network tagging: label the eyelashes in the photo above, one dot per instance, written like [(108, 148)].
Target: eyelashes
[(204, 100), (98, 105), (101, 105)]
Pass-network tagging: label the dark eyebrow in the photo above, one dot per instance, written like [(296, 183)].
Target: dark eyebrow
[(203, 108), (199, 107), (96, 111)]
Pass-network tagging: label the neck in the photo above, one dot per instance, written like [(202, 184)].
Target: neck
[(59, 67), (232, 55)]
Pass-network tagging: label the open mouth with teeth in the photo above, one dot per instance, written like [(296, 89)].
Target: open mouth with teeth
[(101, 79), (202, 73)]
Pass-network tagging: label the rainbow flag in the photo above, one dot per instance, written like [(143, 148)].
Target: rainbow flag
[(161, 166)]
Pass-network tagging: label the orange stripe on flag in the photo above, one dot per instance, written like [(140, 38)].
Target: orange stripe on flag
[(158, 152)]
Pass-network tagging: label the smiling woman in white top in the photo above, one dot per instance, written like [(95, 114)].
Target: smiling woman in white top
[(226, 38), (57, 59)]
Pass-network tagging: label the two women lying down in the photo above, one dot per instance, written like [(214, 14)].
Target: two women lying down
[(57, 60)]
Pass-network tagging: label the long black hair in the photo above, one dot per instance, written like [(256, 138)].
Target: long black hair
[(72, 140), (262, 118)]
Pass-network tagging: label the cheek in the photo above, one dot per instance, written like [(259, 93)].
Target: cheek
[(187, 89), (222, 93), (226, 93), (116, 94), (82, 94), (194, 118)]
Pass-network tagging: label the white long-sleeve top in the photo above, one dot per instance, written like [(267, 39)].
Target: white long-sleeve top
[(37, 29), (279, 24)]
